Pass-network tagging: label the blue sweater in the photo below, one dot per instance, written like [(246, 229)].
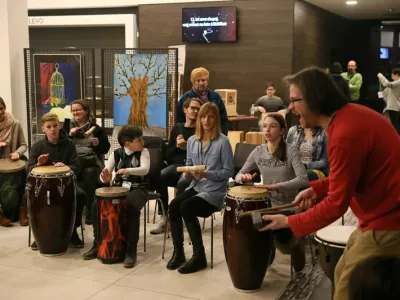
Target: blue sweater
[(212, 97)]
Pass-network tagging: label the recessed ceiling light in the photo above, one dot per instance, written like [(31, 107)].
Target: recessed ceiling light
[(351, 2)]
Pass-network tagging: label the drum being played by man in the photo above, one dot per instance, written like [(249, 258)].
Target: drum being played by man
[(363, 150)]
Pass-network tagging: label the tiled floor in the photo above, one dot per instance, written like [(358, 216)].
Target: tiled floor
[(24, 274)]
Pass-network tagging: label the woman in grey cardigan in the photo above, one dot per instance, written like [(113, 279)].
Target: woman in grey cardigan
[(391, 95), (207, 190), (283, 174)]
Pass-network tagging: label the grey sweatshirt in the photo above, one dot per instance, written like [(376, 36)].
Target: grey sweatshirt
[(290, 175), (270, 104)]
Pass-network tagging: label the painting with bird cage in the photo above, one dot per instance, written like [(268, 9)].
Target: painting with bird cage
[(58, 82), (140, 92)]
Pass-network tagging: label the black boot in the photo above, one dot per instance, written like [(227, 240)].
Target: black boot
[(92, 253), (198, 260), (178, 257), (130, 258)]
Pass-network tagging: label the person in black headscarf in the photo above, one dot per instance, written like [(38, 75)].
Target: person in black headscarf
[(342, 84)]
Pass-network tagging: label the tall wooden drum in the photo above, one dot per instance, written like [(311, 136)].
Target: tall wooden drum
[(247, 251), (51, 208)]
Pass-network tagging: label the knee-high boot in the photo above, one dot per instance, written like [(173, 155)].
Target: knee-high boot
[(198, 260), (178, 257)]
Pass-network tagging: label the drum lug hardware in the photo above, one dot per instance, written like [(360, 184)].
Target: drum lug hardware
[(28, 187), (228, 208), (61, 188), (48, 197), (38, 187)]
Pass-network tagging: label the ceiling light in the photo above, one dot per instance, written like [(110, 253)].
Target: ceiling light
[(351, 2)]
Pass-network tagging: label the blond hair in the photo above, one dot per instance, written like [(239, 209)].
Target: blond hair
[(206, 109), (199, 72), (49, 117)]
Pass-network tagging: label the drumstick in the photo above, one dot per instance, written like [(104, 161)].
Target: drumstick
[(271, 209), (90, 131), (191, 168), (83, 125)]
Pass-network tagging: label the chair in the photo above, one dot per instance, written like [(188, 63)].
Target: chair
[(242, 152), (153, 178)]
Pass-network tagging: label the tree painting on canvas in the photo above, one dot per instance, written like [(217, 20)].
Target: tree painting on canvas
[(140, 92)]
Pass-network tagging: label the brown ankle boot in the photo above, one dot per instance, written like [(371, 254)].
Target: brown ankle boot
[(23, 217), (5, 222)]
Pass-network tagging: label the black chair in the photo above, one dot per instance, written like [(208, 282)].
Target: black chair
[(153, 179), (242, 152)]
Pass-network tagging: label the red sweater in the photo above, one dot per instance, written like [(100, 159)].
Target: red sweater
[(364, 156)]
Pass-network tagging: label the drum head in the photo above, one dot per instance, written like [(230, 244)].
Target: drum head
[(336, 235), (114, 191), (50, 170), (10, 166), (249, 192)]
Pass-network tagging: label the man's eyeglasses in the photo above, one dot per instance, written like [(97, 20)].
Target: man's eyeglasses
[(293, 100), (194, 108)]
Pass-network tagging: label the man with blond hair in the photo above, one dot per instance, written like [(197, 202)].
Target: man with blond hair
[(199, 78)]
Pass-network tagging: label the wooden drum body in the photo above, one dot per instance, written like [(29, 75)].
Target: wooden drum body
[(12, 182), (247, 251), (112, 235), (332, 241), (51, 203)]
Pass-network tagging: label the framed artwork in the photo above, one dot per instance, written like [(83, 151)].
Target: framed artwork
[(140, 92), (58, 82)]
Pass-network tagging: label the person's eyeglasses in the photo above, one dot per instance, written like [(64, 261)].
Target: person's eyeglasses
[(75, 111), (293, 100), (194, 108)]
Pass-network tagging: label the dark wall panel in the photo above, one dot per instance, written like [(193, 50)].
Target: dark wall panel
[(262, 53)]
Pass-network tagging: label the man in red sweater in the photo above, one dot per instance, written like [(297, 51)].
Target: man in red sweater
[(364, 155)]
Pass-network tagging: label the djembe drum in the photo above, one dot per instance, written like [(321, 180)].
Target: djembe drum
[(247, 251), (51, 208)]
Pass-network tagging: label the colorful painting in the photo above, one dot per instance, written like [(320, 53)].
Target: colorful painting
[(140, 92), (58, 82)]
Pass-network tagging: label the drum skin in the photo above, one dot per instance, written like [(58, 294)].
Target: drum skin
[(112, 230), (247, 251), (51, 218)]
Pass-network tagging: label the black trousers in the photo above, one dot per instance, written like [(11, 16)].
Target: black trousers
[(188, 206), (88, 181), (395, 119), (136, 199), (170, 178), (80, 203)]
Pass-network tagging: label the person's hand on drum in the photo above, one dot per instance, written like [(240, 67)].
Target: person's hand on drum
[(95, 141), (276, 222), (106, 175), (14, 156), (42, 159), (122, 172), (2, 144), (306, 199), (270, 187), (73, 131), (247, 177), (58, 164)]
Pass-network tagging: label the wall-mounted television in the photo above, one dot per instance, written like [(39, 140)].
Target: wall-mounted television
[(209, 24), (384, 53)]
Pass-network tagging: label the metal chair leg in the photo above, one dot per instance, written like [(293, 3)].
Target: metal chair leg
[(148, 212), (204, 223), (155, 211), (166, 226), (343, 220), (144, 227), (29, 237), (212, 242)]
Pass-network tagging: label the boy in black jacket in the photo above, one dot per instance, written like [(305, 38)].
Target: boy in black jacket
[(131, 163), (57, 150)]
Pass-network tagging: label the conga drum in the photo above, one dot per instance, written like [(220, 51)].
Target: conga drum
[(112, 235), (12, 182), (247, 251), (331, 243), (51, 208)]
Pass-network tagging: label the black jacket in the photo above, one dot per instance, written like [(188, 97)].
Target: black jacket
[(64, 151)]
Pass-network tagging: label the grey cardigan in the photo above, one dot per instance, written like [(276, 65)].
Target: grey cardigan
[(218, 158), (391, 94), (290, 175)]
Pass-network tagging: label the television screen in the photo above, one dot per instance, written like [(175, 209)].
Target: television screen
[(384, 53), (209, 24)]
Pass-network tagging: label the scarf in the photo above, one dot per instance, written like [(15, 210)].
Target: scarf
[(202, 96), (6, 128)]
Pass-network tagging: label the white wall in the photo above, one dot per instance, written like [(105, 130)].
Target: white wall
[(71, 4)]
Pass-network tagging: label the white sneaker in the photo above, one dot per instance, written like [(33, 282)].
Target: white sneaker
[(160, 226)]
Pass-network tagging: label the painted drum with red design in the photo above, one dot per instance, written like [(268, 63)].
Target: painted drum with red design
[(112, 231)]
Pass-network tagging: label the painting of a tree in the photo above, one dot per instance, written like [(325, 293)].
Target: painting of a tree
[(140, 82)]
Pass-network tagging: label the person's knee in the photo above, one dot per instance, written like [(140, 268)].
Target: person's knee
[(136, 200), (187, 211)]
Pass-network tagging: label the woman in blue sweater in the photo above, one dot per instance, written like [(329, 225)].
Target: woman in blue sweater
[(207, 190)]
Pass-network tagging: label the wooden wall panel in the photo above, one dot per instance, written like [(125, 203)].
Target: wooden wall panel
[(262, 53)]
